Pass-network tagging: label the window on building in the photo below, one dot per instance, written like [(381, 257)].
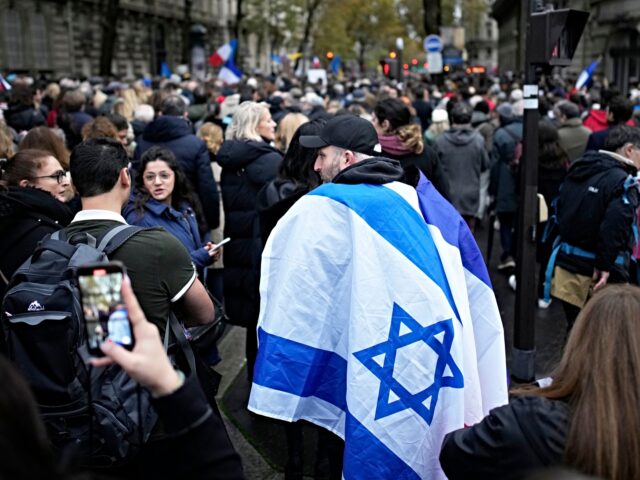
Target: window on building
[(13, 44), (39, 42)]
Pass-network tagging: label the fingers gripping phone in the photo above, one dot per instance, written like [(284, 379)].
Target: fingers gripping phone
[(105, 313)]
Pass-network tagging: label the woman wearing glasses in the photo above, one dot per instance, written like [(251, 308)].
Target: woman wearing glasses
[(163, 197), (33, 189)]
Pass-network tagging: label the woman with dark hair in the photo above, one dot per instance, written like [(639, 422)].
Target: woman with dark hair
[(296, 177), (33, 189), (402, 140), (164, 198), (22, 114), (553, 163), (587, 419)]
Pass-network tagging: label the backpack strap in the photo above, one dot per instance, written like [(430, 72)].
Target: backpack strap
[(114, 238)]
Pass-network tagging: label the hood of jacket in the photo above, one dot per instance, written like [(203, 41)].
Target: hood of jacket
[(460, 136), (166, 128), (596, 120), (240, 153), (17, 202), (593, 163), (374, 171), (277, 191)]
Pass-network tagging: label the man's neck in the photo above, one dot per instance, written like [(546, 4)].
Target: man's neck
[(106, 201)]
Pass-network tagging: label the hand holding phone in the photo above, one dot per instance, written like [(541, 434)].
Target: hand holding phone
[(217, 246), (147, 363), (105, 313)]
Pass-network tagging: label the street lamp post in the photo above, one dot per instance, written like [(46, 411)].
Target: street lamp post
[(552, 38)]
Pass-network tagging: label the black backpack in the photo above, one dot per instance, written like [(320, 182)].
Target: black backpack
[(98, 416)]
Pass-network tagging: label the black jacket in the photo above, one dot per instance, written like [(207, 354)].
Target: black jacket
[(526, 435), (274, 200), (595, 215), (428, 162), (24, 117), (26, 216), (176, 134), (247, 166)]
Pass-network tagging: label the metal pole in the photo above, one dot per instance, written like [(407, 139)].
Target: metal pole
[(524, 350)]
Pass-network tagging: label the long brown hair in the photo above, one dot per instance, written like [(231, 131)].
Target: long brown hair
[(23, 165), (599, 375)]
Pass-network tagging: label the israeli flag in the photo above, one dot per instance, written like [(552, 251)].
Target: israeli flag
[(367, 328)]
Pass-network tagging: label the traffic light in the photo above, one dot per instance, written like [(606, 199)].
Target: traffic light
[(555, 35), (385, 67), (329, 55), (392, 54)]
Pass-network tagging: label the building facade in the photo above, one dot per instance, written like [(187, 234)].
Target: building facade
[(65, 37), (482, 40), (612, 35)]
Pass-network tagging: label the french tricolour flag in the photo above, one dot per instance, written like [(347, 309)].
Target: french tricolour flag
[(223, 54), (379, 323), (229, 73)]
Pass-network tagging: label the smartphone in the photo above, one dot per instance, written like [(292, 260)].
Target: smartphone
[(226, 240), (106, 316)]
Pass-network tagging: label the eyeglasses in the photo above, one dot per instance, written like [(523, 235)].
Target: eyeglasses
[(151, 177), (59, 176)]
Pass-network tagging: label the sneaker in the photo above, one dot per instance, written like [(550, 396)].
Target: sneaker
[(512, 282), (507, 263), (544, 304)]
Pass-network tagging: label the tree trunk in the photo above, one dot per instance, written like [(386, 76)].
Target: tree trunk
[(361, 51), (186, 32), (313, 7), (432, 16), (109, 36), (237, 29)]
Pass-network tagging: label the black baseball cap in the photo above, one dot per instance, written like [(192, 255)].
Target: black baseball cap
[(348, 132)]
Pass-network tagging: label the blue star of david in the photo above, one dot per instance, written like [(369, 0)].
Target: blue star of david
[(418, 402)]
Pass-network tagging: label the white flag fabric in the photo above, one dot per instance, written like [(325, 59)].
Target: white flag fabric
[(366, 328)]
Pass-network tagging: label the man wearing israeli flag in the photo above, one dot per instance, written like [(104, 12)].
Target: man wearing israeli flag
[(377, 318)]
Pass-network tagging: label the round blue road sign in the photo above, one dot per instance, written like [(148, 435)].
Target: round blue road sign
[(433, 43)]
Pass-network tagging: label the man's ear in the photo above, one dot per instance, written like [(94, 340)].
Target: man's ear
[(125, 177), (350, 158), (23, 183), (386, 125)]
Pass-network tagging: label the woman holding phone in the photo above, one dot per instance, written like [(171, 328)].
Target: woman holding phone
[(164, 198)]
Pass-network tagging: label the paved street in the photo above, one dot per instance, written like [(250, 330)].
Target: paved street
[(261, 441)]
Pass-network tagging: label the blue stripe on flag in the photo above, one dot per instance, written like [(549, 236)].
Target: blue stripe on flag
[(441, 214), (366, 457), (302, 370), (397, 222)]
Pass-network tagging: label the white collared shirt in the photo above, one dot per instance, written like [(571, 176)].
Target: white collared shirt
[(86, 215)]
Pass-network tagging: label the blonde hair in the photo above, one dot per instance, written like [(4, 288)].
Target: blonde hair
[(127, 103), (437, 128), (411, 137), (246, 119), (287, 127), (212, 136), (6, 142)]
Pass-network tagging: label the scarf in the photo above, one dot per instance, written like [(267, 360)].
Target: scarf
[(393, 145)]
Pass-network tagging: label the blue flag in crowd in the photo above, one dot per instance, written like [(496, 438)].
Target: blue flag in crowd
[(367, 326), (165, 71), (335, 64)]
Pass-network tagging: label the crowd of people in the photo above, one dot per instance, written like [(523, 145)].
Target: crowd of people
[(205, 161)]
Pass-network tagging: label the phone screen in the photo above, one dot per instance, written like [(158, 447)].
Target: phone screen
[(104, 310)]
